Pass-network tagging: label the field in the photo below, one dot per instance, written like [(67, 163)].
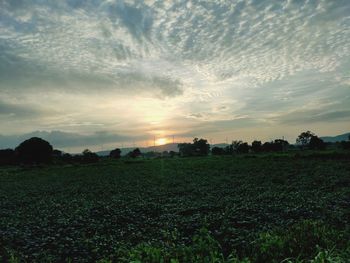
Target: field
[(209, 209)]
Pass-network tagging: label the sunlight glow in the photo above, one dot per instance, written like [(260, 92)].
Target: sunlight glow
[(161, 141)]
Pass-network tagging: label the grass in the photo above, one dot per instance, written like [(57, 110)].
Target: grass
[(208, 209)]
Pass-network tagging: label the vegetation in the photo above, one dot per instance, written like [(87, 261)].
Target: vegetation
[(248, 208), (34, 151), (199, 147), (134, 153), (115, 154)]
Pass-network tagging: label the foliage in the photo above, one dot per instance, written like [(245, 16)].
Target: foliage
[(7, 157), (135, 153), (89, 157), (218, 151), (243, 148), (34, 151), (256, 146), (304, 138), (199, 147), (278, 145), (115, 154), (316, 143)]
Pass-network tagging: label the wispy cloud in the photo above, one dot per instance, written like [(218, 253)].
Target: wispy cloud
[(212, 61)]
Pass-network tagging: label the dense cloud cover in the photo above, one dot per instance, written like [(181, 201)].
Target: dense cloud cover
[(152, 67)]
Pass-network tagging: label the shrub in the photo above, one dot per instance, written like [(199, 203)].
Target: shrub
[(34, 151), (7, 157)]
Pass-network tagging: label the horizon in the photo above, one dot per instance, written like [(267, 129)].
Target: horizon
[(93, 74), (155, 143)]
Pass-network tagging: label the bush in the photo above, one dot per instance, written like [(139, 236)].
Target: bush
[(34, 151), (89, 157), (218, 151), (7, 157), (115, 154)]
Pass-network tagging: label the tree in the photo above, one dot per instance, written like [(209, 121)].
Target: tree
[(115, 154), (280, 145), (135, 153), (218, 151), (235, 145), (316, 143), (201, 146), (243, 148), (33, 151), (57, 153), (67, 158), (256, 146), (172, 154), (7, 157), (89, 157), (304, 138), (185, 149)]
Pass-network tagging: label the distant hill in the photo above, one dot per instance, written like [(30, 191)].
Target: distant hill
[(220, 145), (338, 138), (161, 148)]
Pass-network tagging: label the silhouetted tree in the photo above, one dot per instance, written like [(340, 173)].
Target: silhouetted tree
[(115, 154), (345, 145), (201, 146), (267, 147), (89, 157), (316, 143), (304, 138), (185, 149), (135, 153), (218, 151), (243, 147), (256, 146), (67, 158), (7, 157), (56, 153), (235, 144), (33, 151), (172, 154), (229, 149), (280, 145)]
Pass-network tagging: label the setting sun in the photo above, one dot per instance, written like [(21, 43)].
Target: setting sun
[(161, 141)]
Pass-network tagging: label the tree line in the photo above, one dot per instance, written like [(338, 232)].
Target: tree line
[(38, 151), (306, 140)]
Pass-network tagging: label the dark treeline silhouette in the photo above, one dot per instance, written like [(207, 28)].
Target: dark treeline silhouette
[(311, 141), (240, 147), (199, 147), (115, 154), (135, 153), (36, 151)]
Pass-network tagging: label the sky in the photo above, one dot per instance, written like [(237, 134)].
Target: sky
[(100, 74)]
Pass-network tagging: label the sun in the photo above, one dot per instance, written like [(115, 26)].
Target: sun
[(161, 141)]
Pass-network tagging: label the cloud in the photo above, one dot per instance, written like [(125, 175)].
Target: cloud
[(16, 111), (66, 140), (312, 116), (217, 62)]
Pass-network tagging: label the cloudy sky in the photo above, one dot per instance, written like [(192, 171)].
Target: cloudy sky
[(98, 73)]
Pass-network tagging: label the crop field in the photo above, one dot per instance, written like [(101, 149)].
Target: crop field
[(205, 209)]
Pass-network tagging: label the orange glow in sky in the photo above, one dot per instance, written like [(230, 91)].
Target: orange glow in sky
[(161, 141)]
